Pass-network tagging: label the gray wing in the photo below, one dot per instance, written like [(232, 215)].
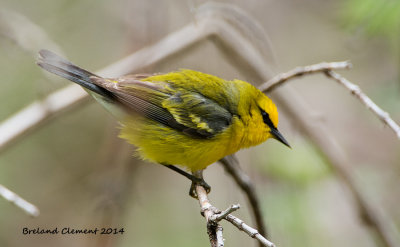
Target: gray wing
[(186, 111)]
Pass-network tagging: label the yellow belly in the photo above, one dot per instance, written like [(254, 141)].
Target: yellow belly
[(164, 145)]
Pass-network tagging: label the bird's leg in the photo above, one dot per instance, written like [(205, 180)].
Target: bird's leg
[(196, 178), (199, 181)]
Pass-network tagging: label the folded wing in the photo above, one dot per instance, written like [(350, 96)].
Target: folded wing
[(187, 111)]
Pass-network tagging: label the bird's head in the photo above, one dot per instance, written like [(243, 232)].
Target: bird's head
[(269, 117), (260, 118)]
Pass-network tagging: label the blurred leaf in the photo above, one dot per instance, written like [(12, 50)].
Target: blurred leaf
[(288, 212), (302, 166), (386, 95), (374, 17)]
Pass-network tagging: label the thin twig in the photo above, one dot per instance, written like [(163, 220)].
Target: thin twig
[(299, 112), (218, 217), (300, 71), (25, 33), (249, 230), (231, 166), (213, 216), (254, 66), (356, 91), (207, 211), (214, 230), (18, 201), (40, 112), (337, 159), (327, 68), (220, 237)]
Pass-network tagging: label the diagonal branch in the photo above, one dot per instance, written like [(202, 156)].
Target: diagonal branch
[(214, 215), (207, 210), (327, 68), (231, 166), (249, 230), (18, 201), (278, 80), (301, 114), (40, 112), (23, 32), (227, 34), (365, 100), (332, 151)]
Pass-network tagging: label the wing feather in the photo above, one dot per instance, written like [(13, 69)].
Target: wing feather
[(187, 111)]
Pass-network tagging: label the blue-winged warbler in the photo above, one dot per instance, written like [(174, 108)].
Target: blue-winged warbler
[(184, 118)]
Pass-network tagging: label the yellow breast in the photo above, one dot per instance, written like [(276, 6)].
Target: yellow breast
[(160, 144)]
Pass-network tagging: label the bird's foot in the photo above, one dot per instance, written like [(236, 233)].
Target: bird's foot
[(196, 178), (198, 182)]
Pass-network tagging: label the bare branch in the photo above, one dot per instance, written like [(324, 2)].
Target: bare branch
[(218, 217), (214, 215), (336, 158), (26, 34), (231, 166), (18, 201), (39, 112), (249, 230), (300, 71), (327, 144), (327, 68), (302, 114), (365, 100), (205, 206), (214, 230), (287, 98), (220, 237)]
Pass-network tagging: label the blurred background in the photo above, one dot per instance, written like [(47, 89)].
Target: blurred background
[(80, 175)]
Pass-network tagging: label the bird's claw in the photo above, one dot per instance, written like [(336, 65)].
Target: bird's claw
[(198, 182)]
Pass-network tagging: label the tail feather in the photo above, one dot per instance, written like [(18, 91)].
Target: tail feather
[(62, 67)]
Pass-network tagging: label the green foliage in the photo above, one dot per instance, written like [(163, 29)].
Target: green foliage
[(374, 17), (302, 166), (386, 95), (289, 212)]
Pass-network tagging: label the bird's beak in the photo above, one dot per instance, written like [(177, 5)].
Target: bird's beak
[(278, 136)]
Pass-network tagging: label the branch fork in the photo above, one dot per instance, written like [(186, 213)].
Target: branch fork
[(213, 216), (228, 25)]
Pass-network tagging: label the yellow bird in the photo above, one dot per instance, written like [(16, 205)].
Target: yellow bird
[(185, 118)]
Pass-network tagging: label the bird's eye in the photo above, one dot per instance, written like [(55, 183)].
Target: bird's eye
[(267, 120)]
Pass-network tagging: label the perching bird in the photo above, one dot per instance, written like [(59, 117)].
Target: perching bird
[(185, 118)]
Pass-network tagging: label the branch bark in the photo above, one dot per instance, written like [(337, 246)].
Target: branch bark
[(214, 215), (18, 201), (40, 112), (231, 166), (365, 100), (228, 33), (332, 151), (327, 69), (279, 79)]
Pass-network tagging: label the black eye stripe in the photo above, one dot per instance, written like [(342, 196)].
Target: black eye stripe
[(266, 119)]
